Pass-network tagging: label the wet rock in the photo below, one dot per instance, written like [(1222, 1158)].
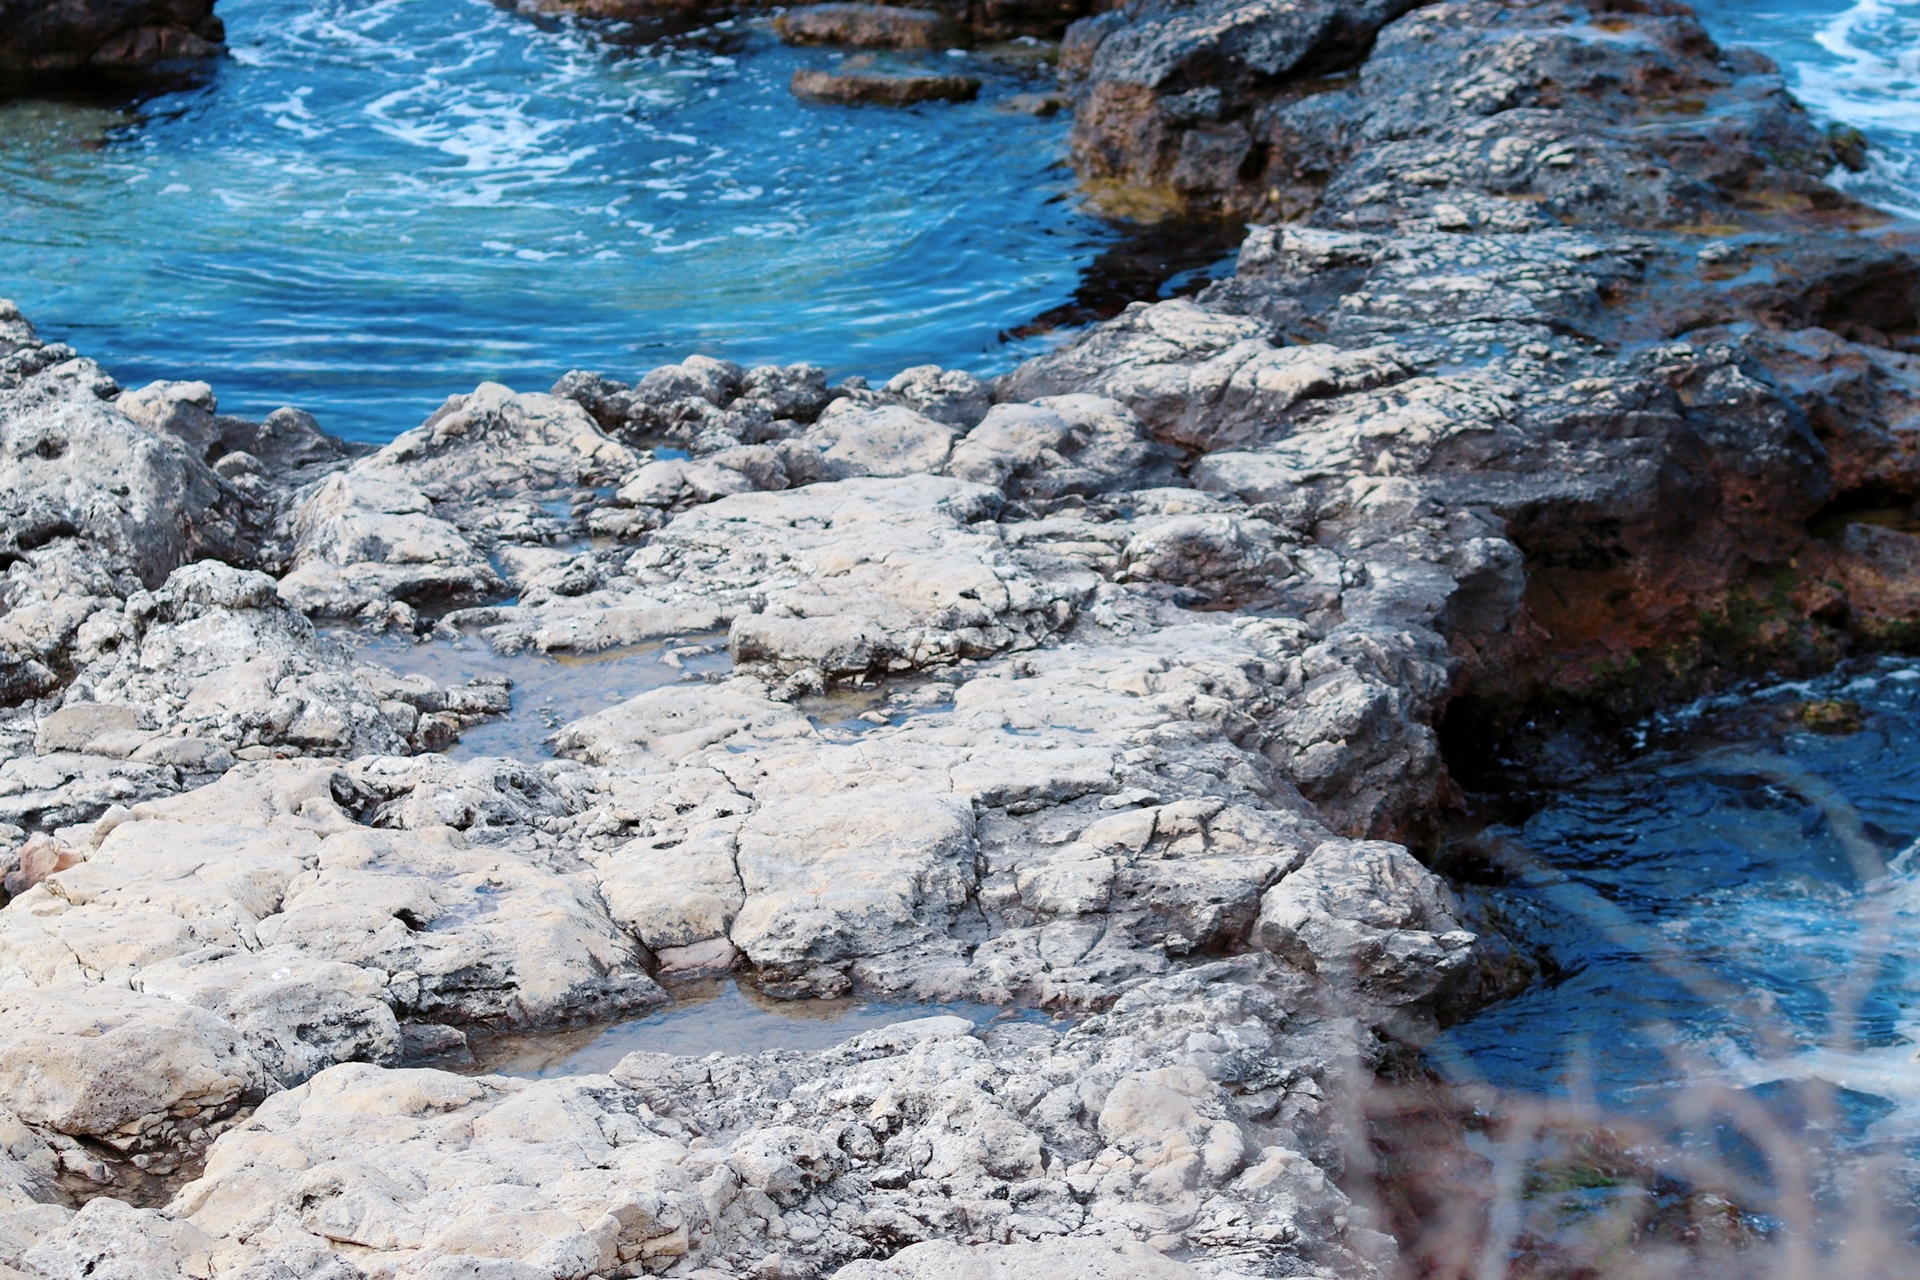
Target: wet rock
[(1164, 90), (1035, 104), (105, 34), (881, 89), (1225, 108), (868, 26)]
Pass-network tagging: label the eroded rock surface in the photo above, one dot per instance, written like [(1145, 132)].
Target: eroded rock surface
[(1110, 693)]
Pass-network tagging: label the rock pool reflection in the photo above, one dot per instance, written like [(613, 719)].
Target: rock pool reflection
[(712, 1016), (548, 691)]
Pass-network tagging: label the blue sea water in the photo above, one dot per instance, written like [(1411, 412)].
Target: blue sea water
[(1733, 921), (1853, 62), (375, 203), (1732, 915)]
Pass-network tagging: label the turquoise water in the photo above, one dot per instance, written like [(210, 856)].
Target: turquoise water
[(375, 203)]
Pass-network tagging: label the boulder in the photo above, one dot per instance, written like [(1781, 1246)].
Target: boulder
[(119, 1065), (861, 88)]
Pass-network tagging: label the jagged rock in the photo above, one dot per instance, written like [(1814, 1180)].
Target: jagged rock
[(952, 396), (1371, 920), (414, 521), (72, 467), (29, 1169), (105, 34), (1076, 685), (877, 1144), (1164, 90), (1058, 445)]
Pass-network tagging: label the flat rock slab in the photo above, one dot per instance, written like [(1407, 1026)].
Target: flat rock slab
[(869, 89)]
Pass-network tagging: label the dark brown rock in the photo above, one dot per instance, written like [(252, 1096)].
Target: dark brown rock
[(871, 26), (77, 35), (877, 89)]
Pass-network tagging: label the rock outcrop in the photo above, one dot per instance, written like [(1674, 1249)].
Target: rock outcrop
[(104, 35), (1111, 693)]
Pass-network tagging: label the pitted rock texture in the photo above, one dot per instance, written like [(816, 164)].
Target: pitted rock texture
[(868, 26), (1477, 114), (1112, 693)]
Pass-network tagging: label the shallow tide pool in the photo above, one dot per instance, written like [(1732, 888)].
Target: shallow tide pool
[(372, 205)]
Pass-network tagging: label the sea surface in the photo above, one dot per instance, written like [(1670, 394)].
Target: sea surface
[(375, 203), (1854, 62), (1729, 922)]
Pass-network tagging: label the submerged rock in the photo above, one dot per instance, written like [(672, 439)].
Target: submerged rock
[(861, 88), (868, 26)]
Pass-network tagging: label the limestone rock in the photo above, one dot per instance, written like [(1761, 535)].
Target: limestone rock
[(1038, 1260), (118, 1065), (888, 441), (71, 466), (1372, 920), (414, 521)]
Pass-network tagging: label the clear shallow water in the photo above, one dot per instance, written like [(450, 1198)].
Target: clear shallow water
[(1735, 914), (1852, 61), (375, 203), (718, 1016), (548, 691)]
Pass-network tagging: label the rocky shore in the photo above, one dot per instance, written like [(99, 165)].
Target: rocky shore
[(1549, 384)]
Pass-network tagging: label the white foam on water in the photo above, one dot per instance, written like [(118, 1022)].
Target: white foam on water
[(1859, 67)]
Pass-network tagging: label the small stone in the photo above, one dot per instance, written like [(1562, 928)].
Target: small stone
[(877, 89)]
